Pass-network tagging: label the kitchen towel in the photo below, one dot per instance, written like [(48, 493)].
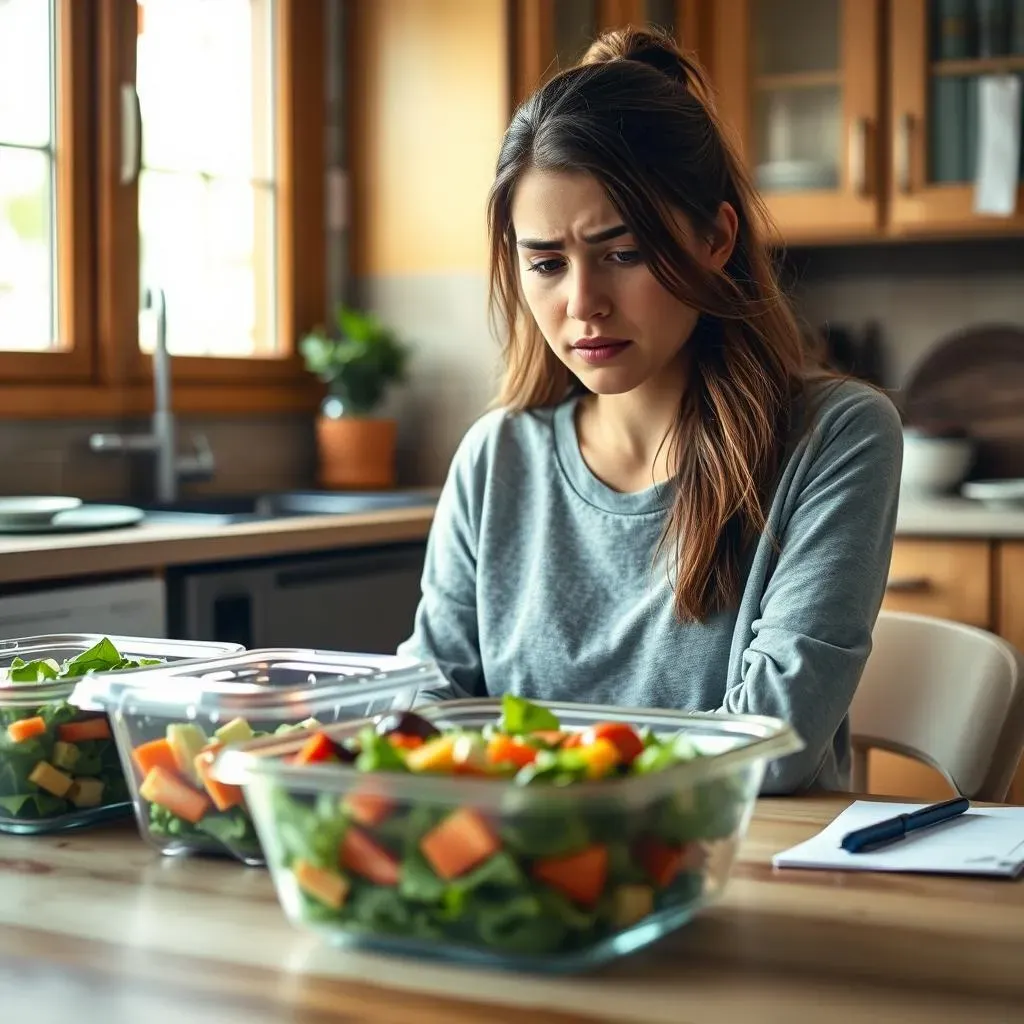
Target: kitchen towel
[(999, 131)]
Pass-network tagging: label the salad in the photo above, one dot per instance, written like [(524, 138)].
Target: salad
[(521, 874), (183, 803), (54, 758)]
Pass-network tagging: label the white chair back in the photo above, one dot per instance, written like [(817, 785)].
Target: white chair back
[(946, 694)]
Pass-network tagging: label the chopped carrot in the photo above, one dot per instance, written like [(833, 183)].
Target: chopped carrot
[(166, 789), (317, 748), (363, 856), (26, 729), (327, 887), (87, 729), (502, 749), (368, 808), (459, 843), (155, 754), (580, 876), (223, 795)]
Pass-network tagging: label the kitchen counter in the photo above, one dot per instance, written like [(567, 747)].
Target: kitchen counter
[(98, 922), (150, 546), (957, 517)]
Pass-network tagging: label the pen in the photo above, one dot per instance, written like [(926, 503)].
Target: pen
[(892, 829)]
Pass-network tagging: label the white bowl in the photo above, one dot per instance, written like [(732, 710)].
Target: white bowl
[(934, 465), (34, 511)]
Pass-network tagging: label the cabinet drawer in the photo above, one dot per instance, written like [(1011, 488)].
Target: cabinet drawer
[(948, 579)]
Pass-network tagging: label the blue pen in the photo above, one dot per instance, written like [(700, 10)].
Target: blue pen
[(883, 832)]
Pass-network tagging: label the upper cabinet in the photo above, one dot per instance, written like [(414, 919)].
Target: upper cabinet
[(946, 57), (856, 125), (799, 81), (551, 35)]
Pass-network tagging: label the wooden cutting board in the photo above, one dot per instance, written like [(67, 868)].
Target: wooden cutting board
[(973, 381)]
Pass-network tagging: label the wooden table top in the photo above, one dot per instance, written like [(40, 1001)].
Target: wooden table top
[(96, 927)]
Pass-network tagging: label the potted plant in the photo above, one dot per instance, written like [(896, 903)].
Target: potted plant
[(356, 450)]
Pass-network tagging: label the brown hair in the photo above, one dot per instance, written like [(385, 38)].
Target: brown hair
[(638, 116)]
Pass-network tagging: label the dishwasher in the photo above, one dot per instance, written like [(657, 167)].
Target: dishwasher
[(361, 600)]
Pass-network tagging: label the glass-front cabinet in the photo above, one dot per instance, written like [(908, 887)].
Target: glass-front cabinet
[(798, 81), (957, 115), (550, 35)]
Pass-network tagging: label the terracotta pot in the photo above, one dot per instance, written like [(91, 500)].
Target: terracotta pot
[(356, 453)]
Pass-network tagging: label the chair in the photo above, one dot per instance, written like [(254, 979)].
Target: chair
[(946, 694)]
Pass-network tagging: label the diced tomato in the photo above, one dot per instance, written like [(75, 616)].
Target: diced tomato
[(622, 734), (504, 749), (580, 876), (87, 729), (368, 808), (459, 843), (661, 861), (403, 741), (317, 748), (363, 856)]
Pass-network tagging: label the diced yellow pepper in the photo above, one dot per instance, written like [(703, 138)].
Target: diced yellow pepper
[(600, 757), (437, 755)]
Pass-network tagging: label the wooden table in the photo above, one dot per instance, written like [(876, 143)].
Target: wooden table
[(95, 927)]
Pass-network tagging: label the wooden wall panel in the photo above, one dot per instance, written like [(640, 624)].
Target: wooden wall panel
[(428, 100)]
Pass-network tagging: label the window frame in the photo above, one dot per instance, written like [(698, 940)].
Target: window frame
[(73, 180), (106, 373)]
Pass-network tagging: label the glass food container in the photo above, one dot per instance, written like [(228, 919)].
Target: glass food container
[(535, 877), (169, 730), (58, 764)]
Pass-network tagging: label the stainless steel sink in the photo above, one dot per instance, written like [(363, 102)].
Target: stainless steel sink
[(263, 507)]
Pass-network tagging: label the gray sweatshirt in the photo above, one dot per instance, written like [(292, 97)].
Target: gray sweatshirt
[(540, 581)]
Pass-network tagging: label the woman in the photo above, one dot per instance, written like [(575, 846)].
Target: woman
[(667, 509)]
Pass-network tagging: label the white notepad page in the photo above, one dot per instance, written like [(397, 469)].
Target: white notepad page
[(981, 841)]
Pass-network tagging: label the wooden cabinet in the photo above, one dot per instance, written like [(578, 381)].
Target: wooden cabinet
[(950, 579), (940, 50), (978, 582), (551, 35), (799, 81), (859, 119)]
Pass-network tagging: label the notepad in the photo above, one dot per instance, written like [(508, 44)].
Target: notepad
[(981, 841)]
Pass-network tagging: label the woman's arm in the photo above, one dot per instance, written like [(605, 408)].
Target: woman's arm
[(812, 635), (445, 628)]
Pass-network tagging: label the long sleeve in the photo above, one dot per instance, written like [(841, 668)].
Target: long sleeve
[(811, 635), (446, 627)]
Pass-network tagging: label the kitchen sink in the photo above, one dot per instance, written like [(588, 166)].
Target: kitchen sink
[(227, 511)]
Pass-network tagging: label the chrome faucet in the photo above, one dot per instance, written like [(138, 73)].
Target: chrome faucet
[(161, 441)]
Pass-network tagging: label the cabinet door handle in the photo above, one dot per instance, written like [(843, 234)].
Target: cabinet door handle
[(904, 132), (908, 584), (858, 162)]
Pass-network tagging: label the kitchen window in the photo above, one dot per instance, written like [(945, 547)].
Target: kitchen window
[(172, 144)]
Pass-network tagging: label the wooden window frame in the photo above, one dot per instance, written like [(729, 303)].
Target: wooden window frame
[(105, 373), (74, 360)]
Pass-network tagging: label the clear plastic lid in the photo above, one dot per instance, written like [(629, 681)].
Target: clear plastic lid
[(268, 680), (728, 743), (61, 647)]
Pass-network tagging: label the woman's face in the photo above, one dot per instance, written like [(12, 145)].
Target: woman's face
[(593, 298)]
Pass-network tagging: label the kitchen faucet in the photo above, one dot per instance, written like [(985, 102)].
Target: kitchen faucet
[(161, 441)]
